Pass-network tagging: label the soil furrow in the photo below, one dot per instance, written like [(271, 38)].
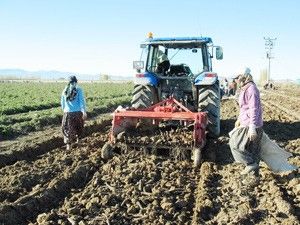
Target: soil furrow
[(288, 185), (291, 114), (32, 150), (206, 207), (18, 179), (284, 96), (29, 206), (133, 189), (41, 184), (277, 208)]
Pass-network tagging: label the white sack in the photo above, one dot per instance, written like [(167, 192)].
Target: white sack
[(274, 156)]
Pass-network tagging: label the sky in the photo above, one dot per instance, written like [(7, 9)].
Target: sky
[(104, 36)]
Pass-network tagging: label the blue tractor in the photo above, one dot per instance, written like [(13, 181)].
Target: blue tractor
[(181, 68)]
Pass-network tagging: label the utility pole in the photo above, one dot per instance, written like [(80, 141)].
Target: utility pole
[(269, 44)]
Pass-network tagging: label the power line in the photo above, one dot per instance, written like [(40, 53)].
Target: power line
[(269, 44)]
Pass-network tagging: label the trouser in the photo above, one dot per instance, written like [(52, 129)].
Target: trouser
[(244, 150), (72, 126)]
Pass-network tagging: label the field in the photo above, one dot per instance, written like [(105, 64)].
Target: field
[(42, 183), (27, 107)]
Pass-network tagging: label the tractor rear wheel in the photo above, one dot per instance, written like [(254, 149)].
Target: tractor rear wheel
[(143, 96), (209, 101)]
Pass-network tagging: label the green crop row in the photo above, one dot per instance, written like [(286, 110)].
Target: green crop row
[(100, 98), (24, 97)]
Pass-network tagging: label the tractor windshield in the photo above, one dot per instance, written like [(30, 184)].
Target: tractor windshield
[(191, 58)]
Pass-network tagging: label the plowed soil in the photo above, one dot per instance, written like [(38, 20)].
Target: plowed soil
[(42, 183)]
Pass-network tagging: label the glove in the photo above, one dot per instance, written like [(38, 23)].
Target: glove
[(84, 116), (237, 123), (252, 134)]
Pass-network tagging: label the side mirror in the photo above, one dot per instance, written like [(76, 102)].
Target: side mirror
[(219, 53), (143, 46), (138, 65)]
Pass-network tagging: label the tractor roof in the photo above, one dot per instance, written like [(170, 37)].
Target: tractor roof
[(179, 42)]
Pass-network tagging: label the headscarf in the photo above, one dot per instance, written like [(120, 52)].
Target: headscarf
[(71, 89), (245, 77)]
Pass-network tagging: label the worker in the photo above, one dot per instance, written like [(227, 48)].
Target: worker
[(222, 92), (226, 87), (232, 88), (245, 139), (74, 109), (162, 62)]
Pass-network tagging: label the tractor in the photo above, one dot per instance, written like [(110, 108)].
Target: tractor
[(174, 82)]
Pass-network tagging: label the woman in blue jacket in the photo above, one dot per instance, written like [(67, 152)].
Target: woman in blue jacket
[(74, 108)]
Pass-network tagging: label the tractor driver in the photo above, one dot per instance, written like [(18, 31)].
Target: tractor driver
[(162, 62)]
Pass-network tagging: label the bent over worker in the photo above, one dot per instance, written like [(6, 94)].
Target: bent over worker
[(245, 139)]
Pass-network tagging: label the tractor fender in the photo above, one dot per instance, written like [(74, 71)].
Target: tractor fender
[(206, 78), (146, 78)]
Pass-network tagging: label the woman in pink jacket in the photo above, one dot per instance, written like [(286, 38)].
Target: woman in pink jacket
[(245, 139)]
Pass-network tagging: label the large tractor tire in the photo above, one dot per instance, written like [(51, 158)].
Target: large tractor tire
[(143, 96), (209, 101)]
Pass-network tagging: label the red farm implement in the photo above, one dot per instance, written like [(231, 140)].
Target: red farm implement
[(166, 110)]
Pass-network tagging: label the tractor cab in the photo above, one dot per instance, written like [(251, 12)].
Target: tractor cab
[(182, 56)]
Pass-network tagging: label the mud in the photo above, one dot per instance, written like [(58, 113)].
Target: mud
[(42, 183)]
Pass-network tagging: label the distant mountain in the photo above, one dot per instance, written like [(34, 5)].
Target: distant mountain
[(52, 75), (13, 72)]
